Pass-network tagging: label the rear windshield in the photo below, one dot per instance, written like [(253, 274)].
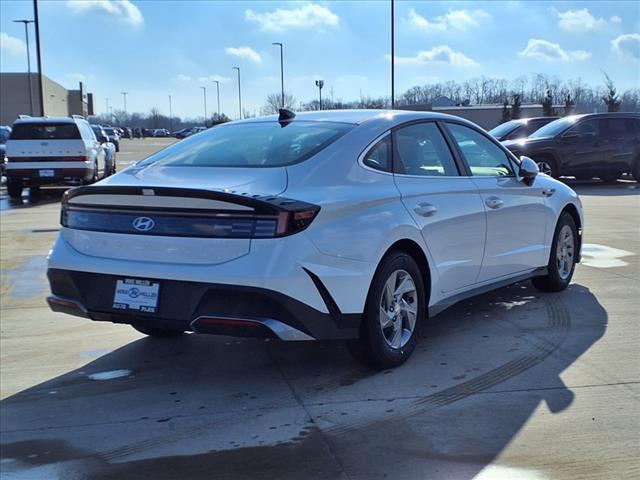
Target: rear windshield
[(505, 128), (554, 128), (259, 144), (45, 131)]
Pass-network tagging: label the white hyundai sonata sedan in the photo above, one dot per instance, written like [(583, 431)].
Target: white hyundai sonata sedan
[(324, 225)]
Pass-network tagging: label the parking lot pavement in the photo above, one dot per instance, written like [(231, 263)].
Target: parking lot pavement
[(513, 384)]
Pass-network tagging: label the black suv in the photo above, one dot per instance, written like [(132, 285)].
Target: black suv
[(603, 145), (521, 128)]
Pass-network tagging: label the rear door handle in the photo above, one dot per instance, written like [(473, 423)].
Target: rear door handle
[(425, 209), (493, 202)]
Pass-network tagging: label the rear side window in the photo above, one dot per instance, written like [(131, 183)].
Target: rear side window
[(379, 156), (423, 151), (45, 131), (259, 144), (484, 157), (618, 126)]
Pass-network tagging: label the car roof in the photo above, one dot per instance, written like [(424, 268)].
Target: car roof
[(358, 117), (48, 120)]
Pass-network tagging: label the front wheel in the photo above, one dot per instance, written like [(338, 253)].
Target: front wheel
[(158, 332), (547, 166), (562, 260), (14, 189), (395, 304)]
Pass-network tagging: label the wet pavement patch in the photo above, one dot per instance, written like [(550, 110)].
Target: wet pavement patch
[(109, 375)]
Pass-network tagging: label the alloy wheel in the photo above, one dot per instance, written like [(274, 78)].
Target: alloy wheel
[(545, 167), (398, 309), (564, 252)]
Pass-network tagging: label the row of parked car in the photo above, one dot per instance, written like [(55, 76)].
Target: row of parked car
[(43, 151), (602, 145)]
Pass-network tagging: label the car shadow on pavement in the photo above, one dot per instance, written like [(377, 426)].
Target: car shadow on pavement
[(621, 187), (42, 196), (215, 407)]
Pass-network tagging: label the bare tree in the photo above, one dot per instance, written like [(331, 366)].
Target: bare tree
[(273, 103)]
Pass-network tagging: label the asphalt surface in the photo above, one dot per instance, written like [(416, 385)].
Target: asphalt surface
[(513, 384)]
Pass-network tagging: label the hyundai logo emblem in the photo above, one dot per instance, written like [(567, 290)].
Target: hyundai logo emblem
[(144, 224)]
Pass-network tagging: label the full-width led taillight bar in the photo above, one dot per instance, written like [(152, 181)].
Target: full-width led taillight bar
[(78, 158), (166, 212)]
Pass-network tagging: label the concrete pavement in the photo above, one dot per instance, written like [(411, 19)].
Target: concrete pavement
[(513, 384)]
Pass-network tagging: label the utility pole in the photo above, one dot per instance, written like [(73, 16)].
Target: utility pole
[(281, 69), (124, 98), (39, 56), (393, 58), (239, 92), (320, 84), (26, 34), (170, 116), (204, 91), (217, 82)]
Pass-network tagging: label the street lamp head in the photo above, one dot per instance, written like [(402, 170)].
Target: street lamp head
[(277, 43), (24, 21), (319, 83)]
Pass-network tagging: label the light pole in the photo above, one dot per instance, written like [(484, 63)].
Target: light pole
[(26, 34), (39, 56), (393, 59), (217, 82), (204, 91), (106, 101), (170, 116), (281, 70), (320, 84), (239, 92), (124, 98)]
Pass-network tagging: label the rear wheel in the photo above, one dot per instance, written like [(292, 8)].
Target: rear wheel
[(158, 332), (14, 189), (547, 166), (609, 177), (395, 304), (636, 170), (562, 260)]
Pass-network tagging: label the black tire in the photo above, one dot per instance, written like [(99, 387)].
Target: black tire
[(14, 189), (158, 332), (117, 147), (547, 165), (609, 177), (376, 349), (114, 161), (554, 281), (636, 170)]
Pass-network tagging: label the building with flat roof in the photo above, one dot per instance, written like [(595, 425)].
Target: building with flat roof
[(58, 101), (486, 116)]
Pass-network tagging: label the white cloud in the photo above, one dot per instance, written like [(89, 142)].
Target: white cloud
[(247, 53), (627, 45), (439, 54), (551, 52), (582, 20), (214, 78), (78, 77), (182, 78), (309, 15), (13, 45), (123, 10), (453, 19)]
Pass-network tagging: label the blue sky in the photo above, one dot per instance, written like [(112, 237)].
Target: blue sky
[(155, 48)]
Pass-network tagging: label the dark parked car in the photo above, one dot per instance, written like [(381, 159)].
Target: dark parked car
[(521, 128), (113, 135), (603, 145)]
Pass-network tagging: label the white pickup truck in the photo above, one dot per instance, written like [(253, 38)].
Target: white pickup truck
[(54, 151)]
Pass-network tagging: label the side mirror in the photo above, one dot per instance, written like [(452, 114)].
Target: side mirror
[(528, 170)]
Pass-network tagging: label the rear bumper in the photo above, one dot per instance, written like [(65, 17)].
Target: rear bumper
[(30, 175), (202, 307)]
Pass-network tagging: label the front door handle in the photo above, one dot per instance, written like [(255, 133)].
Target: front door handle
[(494, 202), (425, 209)]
